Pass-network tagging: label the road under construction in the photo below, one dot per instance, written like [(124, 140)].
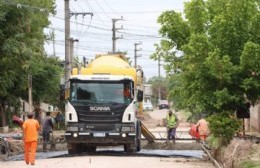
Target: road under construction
[(154, 144)]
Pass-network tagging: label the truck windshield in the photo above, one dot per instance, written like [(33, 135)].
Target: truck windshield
[(99, 93)]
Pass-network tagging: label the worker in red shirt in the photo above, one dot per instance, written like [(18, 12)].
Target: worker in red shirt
[(30, 132)]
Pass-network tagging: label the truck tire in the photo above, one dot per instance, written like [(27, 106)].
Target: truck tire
[(90, 149), (130, 148), (74, 148), (138, 136)]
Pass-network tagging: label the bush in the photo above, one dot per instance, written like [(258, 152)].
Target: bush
[(223, 126)]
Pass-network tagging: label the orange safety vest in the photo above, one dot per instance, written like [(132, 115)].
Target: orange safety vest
[(30, 130)]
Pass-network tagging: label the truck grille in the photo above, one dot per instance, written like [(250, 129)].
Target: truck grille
[(103, 117)]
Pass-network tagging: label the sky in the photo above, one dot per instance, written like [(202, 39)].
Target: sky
[(94, 34)]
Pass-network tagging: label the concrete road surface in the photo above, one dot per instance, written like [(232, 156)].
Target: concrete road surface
[(111, 162), (116, 161)]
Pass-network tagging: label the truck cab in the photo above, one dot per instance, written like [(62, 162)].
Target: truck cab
[(101, 111)]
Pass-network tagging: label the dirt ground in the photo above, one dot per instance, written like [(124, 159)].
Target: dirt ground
[(239, 151)]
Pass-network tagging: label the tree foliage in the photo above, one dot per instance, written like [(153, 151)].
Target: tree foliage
[(157, 82), (212, 54), (223, 126), (22, 53)]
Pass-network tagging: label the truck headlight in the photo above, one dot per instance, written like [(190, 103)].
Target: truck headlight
[(75, 135)]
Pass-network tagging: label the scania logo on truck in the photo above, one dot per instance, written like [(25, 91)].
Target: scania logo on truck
[(95, 108)]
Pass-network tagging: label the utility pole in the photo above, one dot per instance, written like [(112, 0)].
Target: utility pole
[(30, 92), (72, 52), (67, 42), (136, 44), (114, 38), (159, 75), (68, 48)]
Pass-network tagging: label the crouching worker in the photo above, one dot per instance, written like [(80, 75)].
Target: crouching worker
[(47, 126), (202, 128), (30, 131), (171, 124)]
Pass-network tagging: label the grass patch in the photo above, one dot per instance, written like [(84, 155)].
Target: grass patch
[(249, 164)]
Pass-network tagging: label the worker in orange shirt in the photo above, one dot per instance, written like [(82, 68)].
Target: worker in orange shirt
[(202, 127), (30, 131)]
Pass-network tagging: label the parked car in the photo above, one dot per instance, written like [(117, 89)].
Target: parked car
[(147, 106), (163, 104)]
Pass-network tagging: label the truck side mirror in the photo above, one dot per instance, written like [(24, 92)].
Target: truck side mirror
[(62, 92), (139, 96)]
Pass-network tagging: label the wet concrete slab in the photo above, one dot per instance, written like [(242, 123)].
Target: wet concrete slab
[(173, 153), (118, 152)]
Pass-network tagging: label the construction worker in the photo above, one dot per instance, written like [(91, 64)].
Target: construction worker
[(58, 119), (127, 92), (47, 126), (172, 122), (202, 127), (30, 131), (127, 95)]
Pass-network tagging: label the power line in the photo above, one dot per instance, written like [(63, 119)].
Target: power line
[(127, 24), (100, 28), (102, 10), (89, 6)]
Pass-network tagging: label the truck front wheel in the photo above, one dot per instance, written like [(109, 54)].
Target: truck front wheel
[(129, 148), (74, 148), (90, 149), (138, 136)]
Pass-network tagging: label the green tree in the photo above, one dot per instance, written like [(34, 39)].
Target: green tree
[(21, 48), (212, 55)]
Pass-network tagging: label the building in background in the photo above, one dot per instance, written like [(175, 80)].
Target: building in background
[(148, 92)]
